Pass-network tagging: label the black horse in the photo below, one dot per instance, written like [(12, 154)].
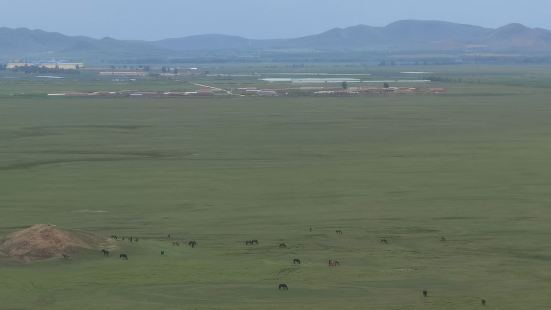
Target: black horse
[(192, 244), (251, 242), (66, 257), (105, 252), (339, 232), (123, 257), (282, 245), (283, 287), (425, 293), (384, 241), (297, 261), (163, 253), (483, 302)]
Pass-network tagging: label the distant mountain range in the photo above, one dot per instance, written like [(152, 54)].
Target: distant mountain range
[(401, 36)]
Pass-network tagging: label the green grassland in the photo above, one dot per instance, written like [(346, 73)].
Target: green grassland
[(471, 166)]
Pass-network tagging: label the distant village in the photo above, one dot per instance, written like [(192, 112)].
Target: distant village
[(335, 88), (22, 66)]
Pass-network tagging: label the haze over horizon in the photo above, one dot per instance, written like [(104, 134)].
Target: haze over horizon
[(145, 20)]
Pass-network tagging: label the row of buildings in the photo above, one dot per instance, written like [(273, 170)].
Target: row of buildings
[(45, 65)]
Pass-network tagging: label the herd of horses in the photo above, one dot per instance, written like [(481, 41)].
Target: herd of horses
[(253, 242)]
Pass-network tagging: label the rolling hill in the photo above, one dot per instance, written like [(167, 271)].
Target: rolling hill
[(401, 36), (407, 35)]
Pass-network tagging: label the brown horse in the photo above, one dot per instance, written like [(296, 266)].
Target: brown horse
[(192, 244), (123, 257), (105, 252), (297, 261)]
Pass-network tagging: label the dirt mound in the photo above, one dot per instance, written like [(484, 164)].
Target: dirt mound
[(41, 242)]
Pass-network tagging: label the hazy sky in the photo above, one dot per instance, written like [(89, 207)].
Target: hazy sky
[(145, 19)]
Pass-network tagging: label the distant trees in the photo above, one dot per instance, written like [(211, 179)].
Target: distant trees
[(386, 85), (165, 69), (344, 85), (384, 63)]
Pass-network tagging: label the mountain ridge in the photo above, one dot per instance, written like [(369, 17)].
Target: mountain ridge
[(399, 36)]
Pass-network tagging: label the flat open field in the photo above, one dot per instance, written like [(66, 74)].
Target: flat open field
[(471, 166)]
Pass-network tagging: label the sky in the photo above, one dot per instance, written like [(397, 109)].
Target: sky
[(159, 19)]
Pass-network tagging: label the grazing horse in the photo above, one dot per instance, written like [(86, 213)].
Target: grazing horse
[(251, 242), (296, 261), (384, 241), (282, 245), (334, 263), (175, 243), (483, 302), (283, 287), (425, 293), (339, 232), (114, 237), (123, 257), (65, 256), (162, 253), (443, 239), (105, 252), (192, 244)]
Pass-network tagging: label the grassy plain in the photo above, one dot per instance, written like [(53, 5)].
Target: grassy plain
[(471, 165)]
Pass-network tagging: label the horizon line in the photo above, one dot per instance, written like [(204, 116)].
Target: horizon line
[(260, 39)]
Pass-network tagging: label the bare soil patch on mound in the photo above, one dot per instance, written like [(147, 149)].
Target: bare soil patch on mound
[(42, 242)]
